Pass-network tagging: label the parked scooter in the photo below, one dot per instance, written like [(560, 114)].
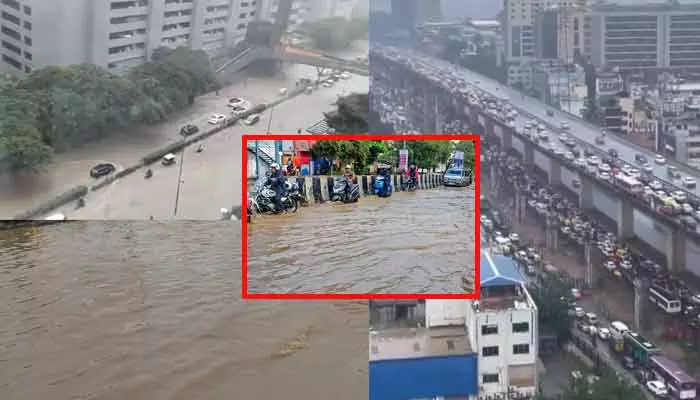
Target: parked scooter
[(382, 183), (347, 192)]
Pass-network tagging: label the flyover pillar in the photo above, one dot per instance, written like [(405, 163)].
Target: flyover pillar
[(676, 242), (507, 138), (585, 194), (528, 153), (554, 172), (625, 219)]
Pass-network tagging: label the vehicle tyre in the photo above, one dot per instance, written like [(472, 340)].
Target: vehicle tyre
[(292, 205)]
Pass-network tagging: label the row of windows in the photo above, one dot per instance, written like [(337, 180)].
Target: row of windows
[(16, 20), (517, 327), (16, 64), (493, 351), (15, 35), (15, 4)]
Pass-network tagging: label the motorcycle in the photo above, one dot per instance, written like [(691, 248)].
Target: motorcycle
[(148, 174), (382, 185), (409, 184), (80, 203), (264, 199), (340, 193), (294, 192), (252, 209)]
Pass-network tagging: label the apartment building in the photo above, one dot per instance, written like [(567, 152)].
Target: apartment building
[(542, 29), (503, 330), (651, 35), (457, 349), (115, 34)]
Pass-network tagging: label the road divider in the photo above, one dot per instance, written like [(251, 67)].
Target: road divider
[(77, 192), (320, 188)]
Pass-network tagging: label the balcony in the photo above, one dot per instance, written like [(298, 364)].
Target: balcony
[(127, 12)]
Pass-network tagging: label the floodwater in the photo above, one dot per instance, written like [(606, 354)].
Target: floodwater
[(417, 242), (151, 310)]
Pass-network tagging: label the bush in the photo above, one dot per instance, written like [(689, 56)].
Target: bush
[(58, 108)]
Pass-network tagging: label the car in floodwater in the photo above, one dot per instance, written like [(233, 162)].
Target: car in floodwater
[(102, 169), (457, 177)]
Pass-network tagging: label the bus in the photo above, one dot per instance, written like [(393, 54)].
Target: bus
[(665, 300), (680, 384), (639, 348), (629, 184)]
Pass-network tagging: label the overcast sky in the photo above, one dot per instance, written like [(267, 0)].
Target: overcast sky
[(456, 9)]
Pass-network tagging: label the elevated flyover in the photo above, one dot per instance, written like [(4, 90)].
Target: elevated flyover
[(296, 56), (445, 99)]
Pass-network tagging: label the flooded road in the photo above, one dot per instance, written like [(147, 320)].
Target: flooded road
[(419, 242), (148, 310)]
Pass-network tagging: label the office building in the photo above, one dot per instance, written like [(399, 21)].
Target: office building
[(115, 34), (653, 35), (536, 29), (459, 349), (682, 141)]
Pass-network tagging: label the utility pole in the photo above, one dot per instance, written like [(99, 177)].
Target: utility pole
[(257, 159)]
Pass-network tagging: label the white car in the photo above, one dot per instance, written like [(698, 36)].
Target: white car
[(236, 101), (604, 333), (580, 162), (216, 119), (688, 182), (579, 312), (569, 156), (657, 388), (604, 176), (564, 125), (603, 167), (679, 196), (687, 209), (327, 84), (575, 293), (647, 168), (656, 185), (344, 75), (659, 159), (514, 237), (252, 119), (563, 137)]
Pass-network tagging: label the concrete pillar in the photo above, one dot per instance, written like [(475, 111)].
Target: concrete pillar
[(324, 189), (641, 296), (585, 193), (552, 233), (676, 242), (554, 172), (528, 153), (625, 219), (588, 255), (422, 181), (520, 205), (364, 184), (395, 182), (308, 188), (507, 138)]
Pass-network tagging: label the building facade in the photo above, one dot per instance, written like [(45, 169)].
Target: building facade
[(457, 349), (116, 35), (653, 35)]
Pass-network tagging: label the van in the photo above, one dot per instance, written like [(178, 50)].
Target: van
[(168, 159), (618, 327)]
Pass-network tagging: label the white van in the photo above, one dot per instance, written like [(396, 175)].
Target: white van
[(618, 327)]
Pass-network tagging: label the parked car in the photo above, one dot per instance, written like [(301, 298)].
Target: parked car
[(188, 130), (252, 119), (457, 177), (216, 119), (102, 169)]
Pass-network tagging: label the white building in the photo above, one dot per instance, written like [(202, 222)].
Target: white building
[(503, 329), (115, 34)]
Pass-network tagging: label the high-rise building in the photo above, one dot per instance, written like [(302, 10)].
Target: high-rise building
[(654, 35), (115, 34), (464, 349)]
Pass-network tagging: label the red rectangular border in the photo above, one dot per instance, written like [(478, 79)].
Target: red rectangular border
[(369, 296)]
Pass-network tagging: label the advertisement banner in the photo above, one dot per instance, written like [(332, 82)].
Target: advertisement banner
[(403, 159), (459, 159)]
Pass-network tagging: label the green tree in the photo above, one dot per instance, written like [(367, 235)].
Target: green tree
[(22, 148), (466, 146), (427, 153), (608, 387), (553, 313), (354, 152), (336, 33), (350, 115)]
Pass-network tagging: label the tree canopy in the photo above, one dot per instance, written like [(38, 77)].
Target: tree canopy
[(553, 313), (351, 114), (336, 33), (58, 108), (608, 387), (466, 146)]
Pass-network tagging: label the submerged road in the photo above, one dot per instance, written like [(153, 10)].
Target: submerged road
[(210, 180), (116, 310), (419, 242)]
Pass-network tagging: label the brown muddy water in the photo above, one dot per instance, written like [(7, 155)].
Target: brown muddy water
[(150, 310), (417, 242)]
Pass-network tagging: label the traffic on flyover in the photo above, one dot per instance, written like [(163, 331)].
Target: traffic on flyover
[(637, 180)]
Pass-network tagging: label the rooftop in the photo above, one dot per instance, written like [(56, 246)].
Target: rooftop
[(401, 343), (498, 270)]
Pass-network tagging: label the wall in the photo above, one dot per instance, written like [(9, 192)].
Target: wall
[(449, 376), (445, 312)]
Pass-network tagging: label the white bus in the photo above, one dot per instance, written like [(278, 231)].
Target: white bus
[(665, 300), (629, 184)]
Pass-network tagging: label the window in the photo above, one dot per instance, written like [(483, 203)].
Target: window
[(27, 41), (489, 351), (521, 348), (27, 25), (489, 329), (27, 10), (520, 327), (489, 378)]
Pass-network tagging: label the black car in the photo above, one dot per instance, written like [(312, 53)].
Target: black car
[(613, 153), (103, 169), (188, 130), (640, 158)]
